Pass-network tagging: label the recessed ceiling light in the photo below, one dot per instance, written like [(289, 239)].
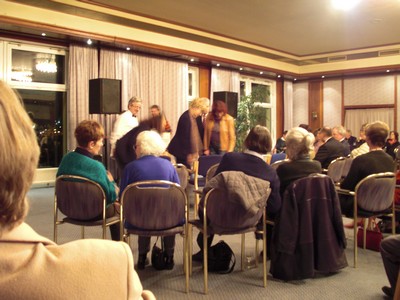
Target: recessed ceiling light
[(127, 48), (240, 69), (192, 59), (43, 34), (89, 42), (323, 76), (261, 72), (279, 76), (387, 71), (295, 79), (218, 65)]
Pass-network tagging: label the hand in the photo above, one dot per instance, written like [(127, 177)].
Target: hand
[(206, 152), (110, 177)]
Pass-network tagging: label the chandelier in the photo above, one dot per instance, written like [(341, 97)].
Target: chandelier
[(46, 63)]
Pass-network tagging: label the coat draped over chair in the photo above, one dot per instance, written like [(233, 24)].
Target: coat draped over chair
[(308, 234)]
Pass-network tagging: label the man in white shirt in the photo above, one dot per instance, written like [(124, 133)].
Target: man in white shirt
[(125, 122)]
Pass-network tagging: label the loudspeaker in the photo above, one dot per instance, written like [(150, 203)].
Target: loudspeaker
[(231, 100), (104, 96)]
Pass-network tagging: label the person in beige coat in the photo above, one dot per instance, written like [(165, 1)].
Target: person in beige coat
[(31, 266), (219, 130)]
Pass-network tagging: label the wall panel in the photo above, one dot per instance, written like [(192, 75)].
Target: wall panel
[(300, 103), (332, 102)]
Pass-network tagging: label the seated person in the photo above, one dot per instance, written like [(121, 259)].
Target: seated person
[(299, 145), (32, 266), (375, 161), (330, 150), (149, 166), (89, 135), (252, 163), (390, 252)]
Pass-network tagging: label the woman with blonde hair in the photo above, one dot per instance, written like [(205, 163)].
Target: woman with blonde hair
[(32, 266), (299, 147)]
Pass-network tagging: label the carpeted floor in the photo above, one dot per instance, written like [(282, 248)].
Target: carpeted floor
[(365, 282)]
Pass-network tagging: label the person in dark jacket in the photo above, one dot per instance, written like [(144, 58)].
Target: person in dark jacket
[(339, 133), (375, 161), (330, 150), (352, 140), (392, 144)]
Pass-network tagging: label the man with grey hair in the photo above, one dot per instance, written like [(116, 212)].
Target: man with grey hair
[(125, 122), (339, 133), (330, 150)]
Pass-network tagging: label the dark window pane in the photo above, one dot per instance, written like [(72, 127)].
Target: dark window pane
[(262, 91), (28, 66), (46, 110)]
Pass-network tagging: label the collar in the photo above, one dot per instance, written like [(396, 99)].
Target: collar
[(247, 151), (328, 138), (83, 151), (25, 234)]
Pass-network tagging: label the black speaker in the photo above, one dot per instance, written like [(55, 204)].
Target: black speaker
[(104, 96), (231, 100)]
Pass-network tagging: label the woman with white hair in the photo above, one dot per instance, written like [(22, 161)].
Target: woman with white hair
[(299, 146), (32, 266), (149, 166)]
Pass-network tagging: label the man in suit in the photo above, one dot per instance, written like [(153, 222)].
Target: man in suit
[(352, 140), (339, 132), (330, 150)]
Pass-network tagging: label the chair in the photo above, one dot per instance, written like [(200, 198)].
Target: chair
[(183, 175), (373, 197), (277, 163), (155, 208), (200, 168), (82, 201), (335, 169), (211, 172), (277, 156), (226, 217)]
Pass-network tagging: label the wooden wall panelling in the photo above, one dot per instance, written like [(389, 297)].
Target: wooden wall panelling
[(315, 104), (204, 81), (279, 108)]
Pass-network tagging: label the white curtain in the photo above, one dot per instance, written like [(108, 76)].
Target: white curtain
[(224, 81), (288, 106), (354, 118), (83, 65)]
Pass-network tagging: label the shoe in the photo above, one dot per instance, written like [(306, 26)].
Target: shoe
[(143, 261), (198, 256), (388, 291), (169, 263)]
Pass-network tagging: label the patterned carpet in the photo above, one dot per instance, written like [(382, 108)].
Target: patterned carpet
[(365, 282)]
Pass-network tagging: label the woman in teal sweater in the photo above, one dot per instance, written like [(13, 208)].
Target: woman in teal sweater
[(89, 136)]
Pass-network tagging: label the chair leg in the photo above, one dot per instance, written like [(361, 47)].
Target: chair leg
[(355, 242), (264, 241), (190, 244), (256, 253), (196, 205), (186, 258), (205, 261), (82, 232), (243, 252), (365, 224)]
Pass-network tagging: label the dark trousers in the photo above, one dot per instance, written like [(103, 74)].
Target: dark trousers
[(390, 252), (168, 244)]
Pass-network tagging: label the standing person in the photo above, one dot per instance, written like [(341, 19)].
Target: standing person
[(32, 266), (201, 120), (125, 122), (187, 145), (375, 161), (352, 140), (330, 150), (339, 134), (299, 146), (149, 166), (280, 145), (219, 130), (390, 252), (392, 143), (155, 112), (89, 136)]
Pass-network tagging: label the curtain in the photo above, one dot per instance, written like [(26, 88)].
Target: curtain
[(224, 80), (83, 65), (288, 106), (354, 118)]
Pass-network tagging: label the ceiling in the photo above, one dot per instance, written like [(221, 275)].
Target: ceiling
[(297, 27)]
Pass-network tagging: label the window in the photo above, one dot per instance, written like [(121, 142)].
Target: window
[(193, 83), (38, 74), (262, 93)]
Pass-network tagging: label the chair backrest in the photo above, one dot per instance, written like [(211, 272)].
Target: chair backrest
[(206, 161), (277, 156), (335, 169), (183, 174), (211, 172), (347, 165), (375, 193), (154, 205), (78, 197), (276, 164), (225, 215)]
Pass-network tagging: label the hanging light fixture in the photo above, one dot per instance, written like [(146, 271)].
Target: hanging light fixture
[(46, 63)]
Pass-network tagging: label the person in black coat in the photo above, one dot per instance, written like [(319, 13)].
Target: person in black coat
[(352, 140), (392, 144), (339, 133), (375, 161), (330, 150)]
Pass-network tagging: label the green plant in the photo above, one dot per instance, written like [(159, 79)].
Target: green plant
[(250, 114)]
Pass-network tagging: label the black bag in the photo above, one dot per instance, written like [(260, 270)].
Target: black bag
[(157, 257), (221, 258)]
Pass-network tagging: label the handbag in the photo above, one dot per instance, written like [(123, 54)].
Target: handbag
[(221, 258), (373, 237), (157, 257)]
